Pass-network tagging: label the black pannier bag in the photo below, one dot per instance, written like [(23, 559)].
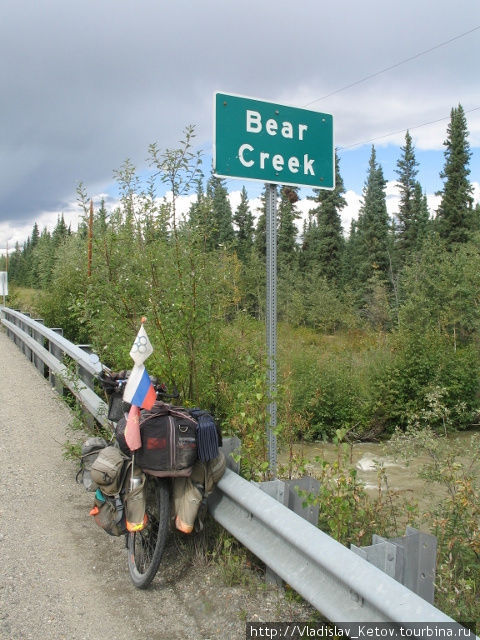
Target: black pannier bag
[(113, 383), (120, 436), (169, 441), (116, 406)]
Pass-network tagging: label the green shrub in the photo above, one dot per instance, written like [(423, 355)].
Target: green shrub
[(421, 364), (454, 466), (336, 385)]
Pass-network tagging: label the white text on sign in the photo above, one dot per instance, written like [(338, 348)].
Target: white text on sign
[(248, 156)]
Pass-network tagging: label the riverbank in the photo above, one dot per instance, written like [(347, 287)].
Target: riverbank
[(377, 468)]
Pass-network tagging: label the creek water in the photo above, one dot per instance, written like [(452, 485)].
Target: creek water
[(367, 457)]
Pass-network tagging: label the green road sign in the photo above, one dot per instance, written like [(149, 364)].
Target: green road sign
[(258, 140)]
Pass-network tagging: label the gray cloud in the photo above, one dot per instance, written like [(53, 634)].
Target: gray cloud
[(87, 84)]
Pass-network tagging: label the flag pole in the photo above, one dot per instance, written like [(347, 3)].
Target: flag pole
[(132, 486), (132, 477)]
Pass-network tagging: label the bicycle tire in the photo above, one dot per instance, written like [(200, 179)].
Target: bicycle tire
[(145, 548)]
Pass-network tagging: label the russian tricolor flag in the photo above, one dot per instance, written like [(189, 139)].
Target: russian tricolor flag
[(139, 392), (139, 389)]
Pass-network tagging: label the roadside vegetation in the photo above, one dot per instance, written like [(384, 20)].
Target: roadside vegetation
[(378, 335)]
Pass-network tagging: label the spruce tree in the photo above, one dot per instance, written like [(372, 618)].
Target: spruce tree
[(60, 232), (35, 235), (194, 215), (324, 241), (307, 254), (102, 217), (406, 231), (222, 229), (46, 257), (287, 230), (373, 229), (15, 266), (243, 218), (476, 218), (27, 262), (455, 213), (260, 240), (33, 261), (422, 217), (350, 259), (201, 218)]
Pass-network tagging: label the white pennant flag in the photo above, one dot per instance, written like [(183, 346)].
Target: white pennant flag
[(142, 347)]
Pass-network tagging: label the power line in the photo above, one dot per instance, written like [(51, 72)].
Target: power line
[(393, 66), (393, 133)]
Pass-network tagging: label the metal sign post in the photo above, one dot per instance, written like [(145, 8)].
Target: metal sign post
[(271, 227), (274, 144)]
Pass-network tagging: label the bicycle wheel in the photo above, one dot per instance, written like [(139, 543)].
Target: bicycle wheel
[(145, 548)]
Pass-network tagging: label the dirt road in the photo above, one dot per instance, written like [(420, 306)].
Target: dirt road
[(63, 578)]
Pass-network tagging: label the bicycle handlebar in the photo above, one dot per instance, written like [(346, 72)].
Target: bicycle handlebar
[(113, 381)]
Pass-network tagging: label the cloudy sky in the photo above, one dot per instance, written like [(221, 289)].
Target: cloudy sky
[(86, 84)]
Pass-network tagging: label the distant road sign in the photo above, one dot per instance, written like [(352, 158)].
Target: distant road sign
[(3, 283), (259, 140)]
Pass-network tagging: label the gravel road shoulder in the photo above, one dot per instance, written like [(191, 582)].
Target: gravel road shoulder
[(61, 577)]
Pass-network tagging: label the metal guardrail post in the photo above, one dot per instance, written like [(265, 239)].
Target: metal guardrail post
[(410, 559), (232, 445), (57, 353), (340, 584), (420, 550), (25, 327), (287, 493), (295, 502), (82, 373), (37, 335), (86, 377), (14, 319), (57, 345), (388, 557)]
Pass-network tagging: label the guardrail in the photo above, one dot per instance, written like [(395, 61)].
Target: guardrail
[(47, 349), (341, 585)]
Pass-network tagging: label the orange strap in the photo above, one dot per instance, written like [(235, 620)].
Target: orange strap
[(132, 527), (182, 526)]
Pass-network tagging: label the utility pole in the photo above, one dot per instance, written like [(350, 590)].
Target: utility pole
[(4, 280), (90, 240)]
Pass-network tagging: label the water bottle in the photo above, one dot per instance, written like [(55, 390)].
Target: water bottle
[(135, 483)]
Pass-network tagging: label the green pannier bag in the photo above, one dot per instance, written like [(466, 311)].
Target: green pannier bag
[(109, 469), (190, 494), (90, 450), (109, 513), (135, 500)]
